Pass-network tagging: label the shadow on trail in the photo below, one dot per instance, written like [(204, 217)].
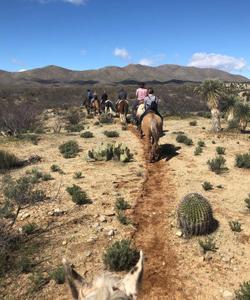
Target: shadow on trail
[(168, 151)]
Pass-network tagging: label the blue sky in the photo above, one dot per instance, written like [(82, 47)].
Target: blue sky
[(89, 34)]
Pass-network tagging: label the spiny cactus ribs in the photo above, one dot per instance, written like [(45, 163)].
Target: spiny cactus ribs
[(195, 215)]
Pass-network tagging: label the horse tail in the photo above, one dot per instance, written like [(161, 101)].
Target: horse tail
[(154, 131)]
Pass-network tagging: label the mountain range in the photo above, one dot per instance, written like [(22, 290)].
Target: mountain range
[(131, 74)]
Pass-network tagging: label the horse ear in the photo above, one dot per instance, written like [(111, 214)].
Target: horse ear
[(75, 280), (131, 282)]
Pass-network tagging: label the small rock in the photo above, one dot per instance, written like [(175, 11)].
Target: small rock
[(96, 225), (102, 219), (59, 212), (110, 214), (179, 233), (227, 295), (91, 239), (24, 216), (64, 243), (111, 232), (208, 256), (88, 253)]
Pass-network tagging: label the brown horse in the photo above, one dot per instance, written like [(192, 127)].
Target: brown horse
[(122, 109), (151, 128)]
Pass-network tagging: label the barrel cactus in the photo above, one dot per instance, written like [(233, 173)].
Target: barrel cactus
[(195, 215)]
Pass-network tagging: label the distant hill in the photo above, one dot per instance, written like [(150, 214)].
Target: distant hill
[(131, 74)]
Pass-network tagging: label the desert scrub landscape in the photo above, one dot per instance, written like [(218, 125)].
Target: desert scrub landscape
[(89, 200)]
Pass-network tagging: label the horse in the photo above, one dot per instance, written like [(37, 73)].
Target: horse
[(108, 108), (151, 128), (106, 287), (96, 106), (122, 109)]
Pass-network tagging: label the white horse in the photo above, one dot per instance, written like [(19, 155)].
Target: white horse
[(106, 287), (140, 110)]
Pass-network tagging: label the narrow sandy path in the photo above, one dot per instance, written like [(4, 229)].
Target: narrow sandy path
[(161, 279)]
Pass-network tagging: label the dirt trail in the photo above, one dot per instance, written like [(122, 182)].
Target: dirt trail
[(161, 279)]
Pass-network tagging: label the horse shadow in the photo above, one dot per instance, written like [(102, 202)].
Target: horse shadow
[(168, 151)]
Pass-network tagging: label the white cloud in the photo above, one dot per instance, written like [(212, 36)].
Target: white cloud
[(122, 53), (152, 61), (22, 70), (217, 61), (74, 2), (146, 62)]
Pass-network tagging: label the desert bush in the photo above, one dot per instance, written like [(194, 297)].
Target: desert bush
[(69, 149), (195, 215), (111, 133), (217, 164), (32, 138), (243, 293), (56, 168), (73, 117), (204, 114), (106, 119), (220, 150), (208, 244), (235, 226), (96, 123), (122, 218), (207, 186), (247, 201), (37, 175), (77, 175), (87, 134), (38, 281), (213, 142), (233, 124), (24, 264), (198, 150), (124, 127), (74, 127), (58, 275), (122, 204), (9, 161), (182, 138), (78, 195), (243, 160), (193, 123), (121, 256), (19, 118), (29, 228), (201, 144)]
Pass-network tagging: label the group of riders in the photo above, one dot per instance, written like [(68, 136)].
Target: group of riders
[(143, 95)]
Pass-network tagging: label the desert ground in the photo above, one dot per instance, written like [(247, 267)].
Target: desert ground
[(175, 267)]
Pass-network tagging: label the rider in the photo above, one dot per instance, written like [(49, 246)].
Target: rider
[(122, 95), (141, 93), (89, 96), (104, 98), (151, 104)]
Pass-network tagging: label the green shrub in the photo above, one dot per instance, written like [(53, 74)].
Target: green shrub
[(37, 175), (220, 150), (74, 127), (38, 281), (33, 138), (122, 218), (87, 135), (247, 201), (217, 164), (106, 119), (208, 244), (207, 186), (73, 117), (201, 144), (198, 150), (96, 123), (182, 138), (111, 134), (24, 264), (29, 228), (193, 123), (56, 168), (78, 195), (243, 160), (120, 256), (9, 161), (77, 175), (235, 226), (58, 275), (213, 142), (122, 204), (243, 293), (69, 149)]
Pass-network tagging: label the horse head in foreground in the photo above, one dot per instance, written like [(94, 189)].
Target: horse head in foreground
[(151, 128), (106, 287)]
